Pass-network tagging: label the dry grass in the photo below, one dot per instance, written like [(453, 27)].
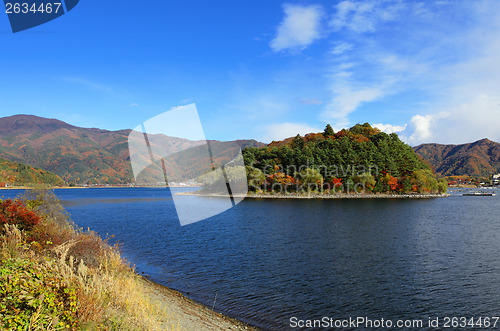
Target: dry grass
[(109, 294)]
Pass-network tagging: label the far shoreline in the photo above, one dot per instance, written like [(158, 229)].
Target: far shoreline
[(261, 195), (89, 187), (321, 196)]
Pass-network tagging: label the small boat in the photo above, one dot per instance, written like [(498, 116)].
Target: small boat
[(479, 194)]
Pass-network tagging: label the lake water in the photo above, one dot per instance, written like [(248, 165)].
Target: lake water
[(266, 261)]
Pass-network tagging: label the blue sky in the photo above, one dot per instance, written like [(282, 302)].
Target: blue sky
[(429, 70)]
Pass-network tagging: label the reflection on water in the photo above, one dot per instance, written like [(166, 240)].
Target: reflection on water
[(93, 201)]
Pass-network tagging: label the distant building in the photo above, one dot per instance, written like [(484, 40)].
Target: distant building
[(495, 179)]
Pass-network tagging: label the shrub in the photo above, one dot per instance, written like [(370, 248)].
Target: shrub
[(46, 204), (424, 181), (55, 226), (33, 294), (69, 280), (89, 248), (442, 186), (16, 212)]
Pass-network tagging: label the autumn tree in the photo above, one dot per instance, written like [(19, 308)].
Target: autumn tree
[(392, 182), (424, 181), (361, 145)]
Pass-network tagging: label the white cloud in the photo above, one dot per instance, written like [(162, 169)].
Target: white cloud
[(363, 16), (285, 130), (365, 79), (476, 119), (423, 128), (341, 48), (438, 63), (468, 88), (133, 104), (473, 120), (389, 128), (299, 28), (345, 101)]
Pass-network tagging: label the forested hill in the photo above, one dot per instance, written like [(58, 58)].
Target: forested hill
[(481, 158), (77, 155), (84, 155), (18, 174), (362, 154)]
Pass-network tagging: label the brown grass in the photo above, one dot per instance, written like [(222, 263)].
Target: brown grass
[(110, 294)]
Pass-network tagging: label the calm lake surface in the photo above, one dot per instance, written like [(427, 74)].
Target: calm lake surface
[(270, 260)]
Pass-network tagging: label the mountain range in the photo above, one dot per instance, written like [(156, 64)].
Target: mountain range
[(84, 155), (90, 155), (478, 159)]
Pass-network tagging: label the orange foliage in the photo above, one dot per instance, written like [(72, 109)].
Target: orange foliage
[(361, 139), (341, 133), (313, 137), (336, 182), (280, 178), (393, 183)]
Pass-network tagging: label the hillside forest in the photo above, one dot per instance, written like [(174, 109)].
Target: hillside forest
[(359, 159)]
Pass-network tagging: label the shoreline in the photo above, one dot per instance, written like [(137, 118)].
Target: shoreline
[(347, 196), (322, 196), (88, 187), (187, 314)]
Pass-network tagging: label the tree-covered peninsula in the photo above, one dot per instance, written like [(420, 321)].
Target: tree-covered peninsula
[(361, 159)]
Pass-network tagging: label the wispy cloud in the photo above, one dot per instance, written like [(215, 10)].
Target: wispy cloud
[(186, 101), (299, 28), (432, 65), (469, 97), (341, 48), (364, 16), (346, 101), (310, 101), (89, 84)]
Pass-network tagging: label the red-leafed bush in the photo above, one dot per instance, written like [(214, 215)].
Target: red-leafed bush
[(15, 212)]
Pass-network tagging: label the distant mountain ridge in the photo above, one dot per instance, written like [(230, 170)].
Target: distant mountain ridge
[(91, 155), (78, 155), (480, 158)]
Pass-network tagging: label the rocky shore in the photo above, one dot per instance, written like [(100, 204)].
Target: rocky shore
[(186, 314), (346, 196)]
